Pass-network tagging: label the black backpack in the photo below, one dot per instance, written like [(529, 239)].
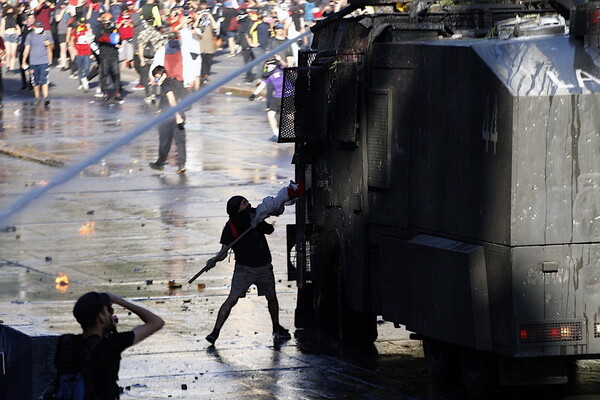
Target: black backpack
[(73, 368)]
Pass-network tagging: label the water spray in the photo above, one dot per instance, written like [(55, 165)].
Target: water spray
[(65, 176)]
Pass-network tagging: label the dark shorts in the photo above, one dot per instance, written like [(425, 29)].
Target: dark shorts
[(230, 34), (244, 277), (62, 37), (39, 74), (274, 105)]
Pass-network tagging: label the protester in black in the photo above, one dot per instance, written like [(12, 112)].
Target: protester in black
[(252, 264), (109, 41), (171, 93)]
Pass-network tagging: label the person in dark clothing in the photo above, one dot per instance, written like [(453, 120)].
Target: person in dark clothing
[(108, 40), (252, 255), (242, 38), (94, 312), (171, 92), (26, 29)]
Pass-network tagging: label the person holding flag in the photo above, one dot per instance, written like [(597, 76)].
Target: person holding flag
[(245, 232)]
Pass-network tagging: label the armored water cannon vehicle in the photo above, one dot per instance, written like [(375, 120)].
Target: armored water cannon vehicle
[(451, 158)]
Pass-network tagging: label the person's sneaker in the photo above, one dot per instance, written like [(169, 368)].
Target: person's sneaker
[(47, 102), (138, 87), (212, 337), (281, 333), (37, 100), (119, 99), (273, 138), (181, 169), (156, 166), (105, 97), (98, 93)]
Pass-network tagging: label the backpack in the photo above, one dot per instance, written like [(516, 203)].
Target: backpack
[(73, 369), (149, 50)]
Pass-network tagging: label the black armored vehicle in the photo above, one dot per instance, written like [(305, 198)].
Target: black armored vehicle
[(451, 153)]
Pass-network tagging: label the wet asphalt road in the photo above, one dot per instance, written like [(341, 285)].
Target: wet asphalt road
[(122, 227)]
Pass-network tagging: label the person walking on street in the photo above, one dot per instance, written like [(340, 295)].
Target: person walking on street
[(100, 341), (273, 81), (109, 41), (172, 129), (81, 38), (252, 254), (38, 53), (11, 33), (208, 47), (149, 40)]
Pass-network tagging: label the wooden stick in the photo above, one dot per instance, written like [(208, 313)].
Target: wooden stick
[(219, 254)]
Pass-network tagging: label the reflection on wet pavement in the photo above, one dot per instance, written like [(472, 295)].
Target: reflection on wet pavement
[(122, 227)]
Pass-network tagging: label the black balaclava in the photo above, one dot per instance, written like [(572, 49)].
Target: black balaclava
[(240, 219)]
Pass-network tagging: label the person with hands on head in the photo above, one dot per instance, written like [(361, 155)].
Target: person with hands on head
[(173, 129), (94, 312), (252, 255)]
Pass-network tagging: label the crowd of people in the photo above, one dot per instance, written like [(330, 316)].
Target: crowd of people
[(99, 38)]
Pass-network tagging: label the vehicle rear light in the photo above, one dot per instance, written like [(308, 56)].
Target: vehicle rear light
[(551, 332), (585, 19), (524, 335)]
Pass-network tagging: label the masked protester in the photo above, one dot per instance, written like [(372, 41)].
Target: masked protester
[(37, 57), (252, 255), (109, 41)]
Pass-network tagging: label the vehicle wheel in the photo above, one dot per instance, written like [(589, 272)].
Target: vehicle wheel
[(441, 360), (479, 370)]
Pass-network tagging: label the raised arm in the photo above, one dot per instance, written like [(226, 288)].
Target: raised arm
[(152, 322)]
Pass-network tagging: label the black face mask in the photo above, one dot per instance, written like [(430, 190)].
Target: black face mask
[(242, 219)]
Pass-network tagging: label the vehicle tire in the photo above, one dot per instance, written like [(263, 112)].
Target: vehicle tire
[(441, 361), (479, 370)]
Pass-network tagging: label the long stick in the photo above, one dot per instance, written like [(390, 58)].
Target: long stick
[(224, 250)]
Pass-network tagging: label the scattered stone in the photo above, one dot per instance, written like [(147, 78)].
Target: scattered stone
[(48, 258), (279, 281), (149, 282), (143, 224), (18, 236), (183, 386), (136, 269), (91, 212), (187, 301), (139, 288), (290, 286), (127, 387)]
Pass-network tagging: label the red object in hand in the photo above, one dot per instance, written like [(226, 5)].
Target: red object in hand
[(295, 190)]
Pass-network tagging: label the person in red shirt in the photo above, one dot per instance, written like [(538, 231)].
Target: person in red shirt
[(81, 39), (125, 26), (176, 19), (43, 13)]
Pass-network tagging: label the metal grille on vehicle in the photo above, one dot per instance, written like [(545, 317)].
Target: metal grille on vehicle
[(551, 332)]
